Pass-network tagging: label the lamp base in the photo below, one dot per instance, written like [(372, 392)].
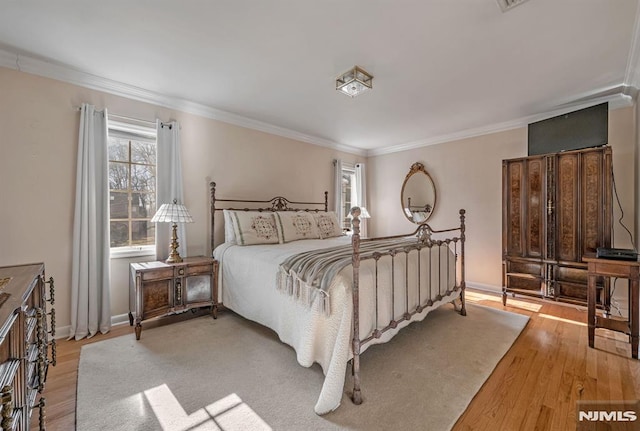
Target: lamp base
[(174, 259), (174, 256)]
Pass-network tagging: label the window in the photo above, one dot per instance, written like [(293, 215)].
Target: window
[(132, 188), (348, 193)]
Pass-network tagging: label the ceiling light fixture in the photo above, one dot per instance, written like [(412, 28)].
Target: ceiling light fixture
[(354, 81)]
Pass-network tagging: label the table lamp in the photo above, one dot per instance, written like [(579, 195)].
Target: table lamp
[(173, 213)]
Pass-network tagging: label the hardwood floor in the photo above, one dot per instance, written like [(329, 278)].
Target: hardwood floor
[(549, 368), (535, 387)]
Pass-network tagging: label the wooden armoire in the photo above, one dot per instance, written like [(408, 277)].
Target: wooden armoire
[(557, 208)]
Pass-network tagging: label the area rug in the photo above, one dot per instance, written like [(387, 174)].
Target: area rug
[(231, 374)]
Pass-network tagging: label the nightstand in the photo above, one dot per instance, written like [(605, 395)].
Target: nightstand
[(160, 289)]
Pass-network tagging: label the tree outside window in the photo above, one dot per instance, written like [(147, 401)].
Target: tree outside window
[(132, 189)]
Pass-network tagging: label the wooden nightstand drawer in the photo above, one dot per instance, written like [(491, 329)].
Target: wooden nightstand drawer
[(200, 269), (157, 274)]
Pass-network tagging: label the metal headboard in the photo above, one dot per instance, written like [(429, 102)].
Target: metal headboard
[(277, 203)]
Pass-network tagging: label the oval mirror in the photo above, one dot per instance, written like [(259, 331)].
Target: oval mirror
[(418, 195)]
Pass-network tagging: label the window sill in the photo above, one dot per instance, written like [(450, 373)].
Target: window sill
[(126, 252)]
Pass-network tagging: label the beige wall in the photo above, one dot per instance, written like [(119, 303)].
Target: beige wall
[(39, 124), (622, 137), (468, 175)]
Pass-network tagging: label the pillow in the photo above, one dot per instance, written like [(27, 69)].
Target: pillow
[(328, 224), (229, 232), (293, 226), (254, 227)]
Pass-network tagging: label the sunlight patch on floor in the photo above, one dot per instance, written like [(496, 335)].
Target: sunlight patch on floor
[(560, 319), (227, 414), (135, 401), (478, 296)]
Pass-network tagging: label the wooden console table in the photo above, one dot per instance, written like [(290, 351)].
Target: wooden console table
[(614, 268)]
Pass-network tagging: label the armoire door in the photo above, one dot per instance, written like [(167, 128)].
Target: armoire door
[(523, 225), (567, 206), (582, 217), (535, 207), (524, 207), (595, 220), (583, 203)]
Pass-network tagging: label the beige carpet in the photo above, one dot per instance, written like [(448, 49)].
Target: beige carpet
[(230, 374)]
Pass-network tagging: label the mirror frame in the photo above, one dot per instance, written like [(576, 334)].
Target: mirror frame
[(418, 168)]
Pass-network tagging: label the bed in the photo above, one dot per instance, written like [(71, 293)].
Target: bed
[(329, 295)]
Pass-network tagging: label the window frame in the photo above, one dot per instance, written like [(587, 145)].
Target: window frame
[(142, 133), (348, 169)]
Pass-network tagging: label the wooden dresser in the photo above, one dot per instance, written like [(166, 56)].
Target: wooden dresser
[(24, 343), (557, 209), (159, 289)]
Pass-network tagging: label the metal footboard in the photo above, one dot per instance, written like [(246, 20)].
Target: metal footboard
[(423, 244)]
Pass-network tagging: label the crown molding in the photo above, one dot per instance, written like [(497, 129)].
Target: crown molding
[(29, 64), (623, 97), (619, 96)]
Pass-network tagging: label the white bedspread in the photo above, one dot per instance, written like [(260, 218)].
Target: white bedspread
[(248, 286)]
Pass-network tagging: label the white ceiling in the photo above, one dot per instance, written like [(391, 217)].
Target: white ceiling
[(442, 69)]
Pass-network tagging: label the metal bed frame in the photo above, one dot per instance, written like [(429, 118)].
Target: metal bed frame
[(424, 240)]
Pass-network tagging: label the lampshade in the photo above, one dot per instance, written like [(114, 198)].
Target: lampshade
[(354, 81), (172, 213), (363, 213)]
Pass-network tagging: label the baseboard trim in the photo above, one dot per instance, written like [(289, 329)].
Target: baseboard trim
[(486, 287), (65, 331)]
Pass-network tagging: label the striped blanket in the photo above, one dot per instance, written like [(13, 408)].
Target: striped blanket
[(309, 274)]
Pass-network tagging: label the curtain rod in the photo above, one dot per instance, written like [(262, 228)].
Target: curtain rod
[(149, 122)]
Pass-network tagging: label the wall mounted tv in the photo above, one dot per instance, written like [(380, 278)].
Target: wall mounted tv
[(584, 128)]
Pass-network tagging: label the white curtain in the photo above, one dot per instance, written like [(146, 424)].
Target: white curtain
[(169, 185), (90, 301), (337, 191), (361, 193)]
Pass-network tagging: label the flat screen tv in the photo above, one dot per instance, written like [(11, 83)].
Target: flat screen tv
[(584, 128)]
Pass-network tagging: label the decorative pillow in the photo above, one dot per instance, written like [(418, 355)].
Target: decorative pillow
[(254, 227), (293, 226), (229, 232), (328, 224)]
